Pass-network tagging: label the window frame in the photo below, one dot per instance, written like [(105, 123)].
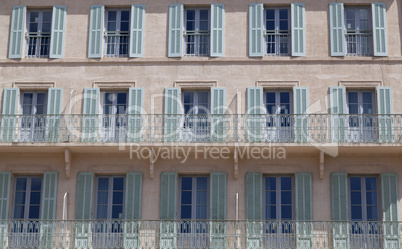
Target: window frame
[(277, 31), (27, 195), (110, 196), (196, 32), (39, 33), (193, 197), (360, 102), (117, 32), (34, 102), (277, 100), (358, 31), (278, 197)]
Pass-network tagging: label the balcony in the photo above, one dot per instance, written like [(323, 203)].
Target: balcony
[(198, 234), (160, 128), (196, 43)]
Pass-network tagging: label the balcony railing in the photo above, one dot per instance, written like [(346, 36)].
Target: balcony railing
[(160, 128), (38, 44), (277, 42), (116, 43), (359, 43), (197, 43), (199, 234)]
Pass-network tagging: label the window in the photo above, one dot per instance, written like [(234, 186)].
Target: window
[(193, 206), (33, 119), (114, 120), (197, 31), (358, 32), (196, 125), (278, 121), (39, 31), (117, 36), (277, 31)]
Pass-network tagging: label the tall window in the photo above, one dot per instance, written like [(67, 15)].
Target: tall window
[(197, 32), (277, 31), (278, 120), (358, 32), (33, 121), (114, 122), (39, 25), (193, 206), (117, 34), (196, 106), (27, 198)]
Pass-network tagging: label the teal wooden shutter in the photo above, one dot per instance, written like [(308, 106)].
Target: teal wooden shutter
[(90, 117), (379, 29), (217, 209), (175, 30), (5, 183), (255, 111), (337, 108), (48, 206), (218, 108), (58, 32), (83, 210), (168, 199), (254, 207), (304, 210), (256, 30), (336, 29), (301, 117), (384, 107), (217, 30), (134, 111), (54, 109), (390, 197), (339, 209), (133, 194), (172, 114), (95, 40), (137, 30), (298, 24), (9, 118), (17, 32)]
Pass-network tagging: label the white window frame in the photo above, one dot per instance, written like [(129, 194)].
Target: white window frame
[(118, 33), (27, 195), (360, 101), (38, 34), (278, 196), (277, 32), (32, 133), (112, 132), (110, 196), (197, 33), (358, 32), (193, 196)]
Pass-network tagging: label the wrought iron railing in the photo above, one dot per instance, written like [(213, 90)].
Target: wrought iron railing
[(196, 43), (38, 44), (277, 42), (116, 43), (359, 43), (200, 234), (162, 128)]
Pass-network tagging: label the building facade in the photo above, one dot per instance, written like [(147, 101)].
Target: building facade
[(196, 124)]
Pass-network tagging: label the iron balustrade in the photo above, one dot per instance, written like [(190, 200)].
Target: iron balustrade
[(38, 44), (277, 42), (233, 128), (359, 42), (196, 43), (147, 234), (117, 43)]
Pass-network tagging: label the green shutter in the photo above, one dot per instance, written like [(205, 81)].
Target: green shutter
[(167, 212), (340, 209), (256, 30), (218, 108), (95, 40), (90, 117), (172, 114), (9, 118), (217, 30), (337, 108), (5, 183), (54, 109), (298, 24), (254, 207), (390, 197), (17, 32), (48, 206), (134, 111), (175, 30), (255, 111), (217, 209), (58, 32), (132, 209), (304, 210), (379, 29), (137, 30), (384, 107), (336, 29), (83, 209), (301, 117)]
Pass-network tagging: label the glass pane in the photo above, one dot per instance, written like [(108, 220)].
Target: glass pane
[(367, 97), (46, 27), (270, 212), (270, 97), (283, 14), (201, 212), (188, 97), (285, 97), (355, 198), (202, 183), (35, 198), (356, 213), (270, 183), (118, 198), (270, 197), (371, 198), (34, 212), (350, 19), (286, 212), (352, 97), (117, 212), (286, 183), (109, 98), (190, 22), (125, 15), (21, 184), (202, 98), (34, 17), (124, 26), (118, 183), (185, 212), (112, 15), (41, 98), (103, 183), (372, 213), (202, 197), (47, 17), (371, 183), (28, 97), (19, 198), (121, 98), (186, 183), (102, 197), (355, 183), (286, 197), (101, 212), (19, 212), (36, 184), (186, 197)]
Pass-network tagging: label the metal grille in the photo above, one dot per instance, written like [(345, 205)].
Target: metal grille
[(38, 44), (117, 43), (359, 43), (197, 43)]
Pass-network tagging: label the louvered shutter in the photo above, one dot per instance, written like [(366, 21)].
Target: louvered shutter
[(385, 119), (167, 212), (337, 109), (134, 111), (175, 30), (304, 210), (218, 108), (137, 30), (48, 206), (5, 183), (254, 207), (217, 209), (172, 114), (9, 118), (217, 30), (58, 32), (298, 29), (255, 117), (336, 29), (17, 32), (256, 30), (379, 29), (133, 194), (301, 117), (390, 199), (95, 40), (339, 209), (54, 109), (90, 117), (83, 210)]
